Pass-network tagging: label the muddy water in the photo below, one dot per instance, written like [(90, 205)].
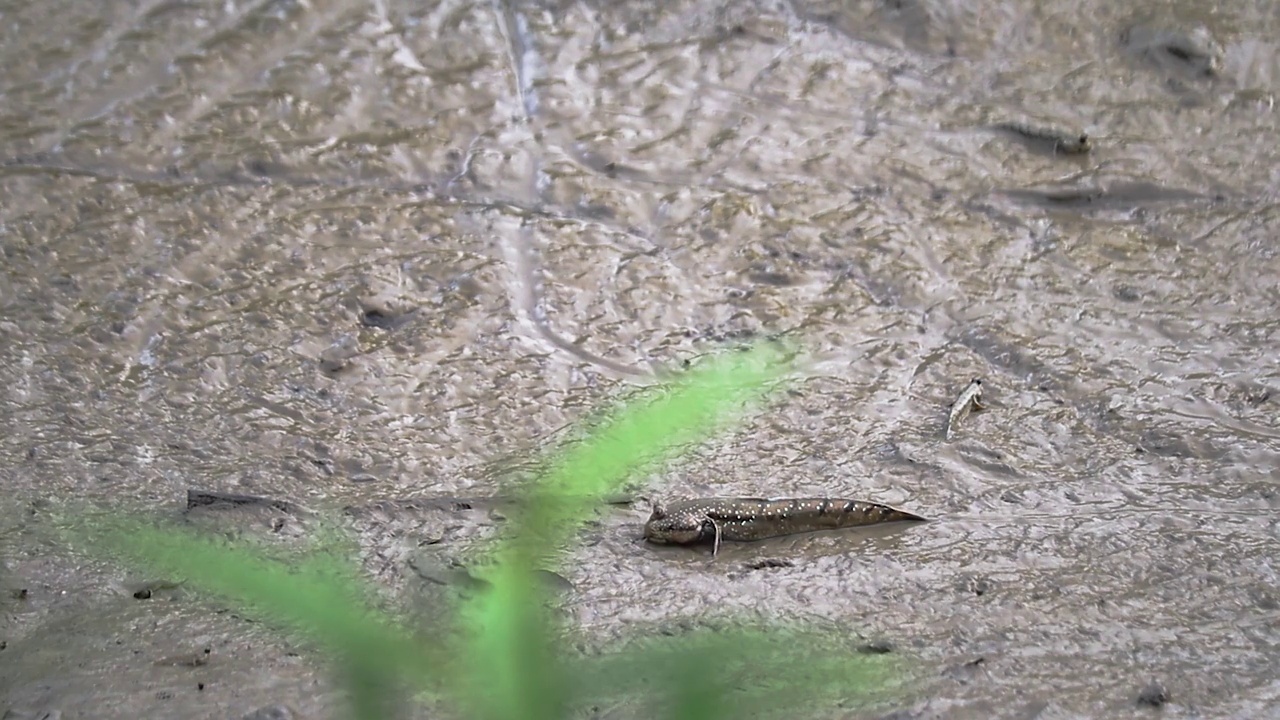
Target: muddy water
[(345, 253)]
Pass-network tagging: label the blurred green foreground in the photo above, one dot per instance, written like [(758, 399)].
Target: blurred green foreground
[(502, 656)]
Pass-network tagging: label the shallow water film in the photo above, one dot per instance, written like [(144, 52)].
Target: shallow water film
[(367, 260)]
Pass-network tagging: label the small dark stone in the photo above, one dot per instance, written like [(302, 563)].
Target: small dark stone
[(1128, 293), (979, 586), (1154, 695), (199, 686)]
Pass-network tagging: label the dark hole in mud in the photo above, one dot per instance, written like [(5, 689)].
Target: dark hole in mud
[(378, 319), (1153, 695), (258, 167)]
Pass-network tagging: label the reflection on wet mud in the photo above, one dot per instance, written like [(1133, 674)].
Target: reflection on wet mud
[(1126, 196)]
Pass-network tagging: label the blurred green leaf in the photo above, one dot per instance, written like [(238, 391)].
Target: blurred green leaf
[(650, 428), (511, 665), (512, 653), (321, 597), (773, 671)]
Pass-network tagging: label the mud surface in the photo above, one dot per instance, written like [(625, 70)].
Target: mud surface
[(346, 255)]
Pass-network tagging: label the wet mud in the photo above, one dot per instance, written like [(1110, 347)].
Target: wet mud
[(275, 268)]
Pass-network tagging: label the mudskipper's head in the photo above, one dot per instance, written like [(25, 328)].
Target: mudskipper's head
[(681, 528)]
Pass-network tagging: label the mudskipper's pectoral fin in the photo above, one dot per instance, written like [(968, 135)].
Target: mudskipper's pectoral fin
[(715, 548)]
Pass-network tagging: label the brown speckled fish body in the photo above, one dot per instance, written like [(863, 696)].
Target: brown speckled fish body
[(744, 519), (1062, 142)]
